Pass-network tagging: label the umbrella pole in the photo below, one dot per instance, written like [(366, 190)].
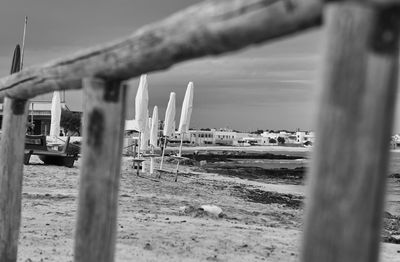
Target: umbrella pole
[(176, 171), (162, 155), (134, 146), (137, 164), (139, 144), (180, 146), (180, 154), (152, 161), (23, 43)]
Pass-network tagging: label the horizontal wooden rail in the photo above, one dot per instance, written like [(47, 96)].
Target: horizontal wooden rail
[(208, 28)]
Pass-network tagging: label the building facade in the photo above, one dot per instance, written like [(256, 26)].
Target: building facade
[(39, 117), (201, 137)]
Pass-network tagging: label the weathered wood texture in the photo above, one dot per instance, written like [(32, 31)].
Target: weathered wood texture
[(104, 111), (11, 173), (209, 28), (347, 177)]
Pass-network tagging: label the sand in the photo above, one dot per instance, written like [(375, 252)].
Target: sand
[(152, 226)]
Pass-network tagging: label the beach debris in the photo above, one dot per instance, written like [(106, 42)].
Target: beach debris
[(204, 210), (186, 209), (212, 209), (148, 246), (212, 258)]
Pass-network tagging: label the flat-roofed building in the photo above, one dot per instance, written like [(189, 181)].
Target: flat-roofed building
[(201, 137), (225, 137), (39, 114)]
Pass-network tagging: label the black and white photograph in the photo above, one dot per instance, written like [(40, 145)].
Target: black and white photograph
[(199, 130)]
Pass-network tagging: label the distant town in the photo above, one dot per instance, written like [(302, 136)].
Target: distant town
[(196, 137), (228, 137)]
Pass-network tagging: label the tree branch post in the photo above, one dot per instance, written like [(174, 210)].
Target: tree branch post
[(347, 180), (11, 174), (104, 120)]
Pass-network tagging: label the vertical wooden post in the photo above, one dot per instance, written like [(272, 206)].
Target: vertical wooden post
[(11, 173), (347, 178), (104, 111)]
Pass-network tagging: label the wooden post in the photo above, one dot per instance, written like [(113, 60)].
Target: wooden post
[(11, 173), (347, 178), (104, 111)]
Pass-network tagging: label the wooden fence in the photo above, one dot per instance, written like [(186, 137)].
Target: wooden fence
[(346, 183)]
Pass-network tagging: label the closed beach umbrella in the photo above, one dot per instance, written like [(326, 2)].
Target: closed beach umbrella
[(130, 101), (169, 123), (145, 135), (170, 116), (141, 104), (149, 122), (186, 112), (16, 61), (55, 114), (154, 128)]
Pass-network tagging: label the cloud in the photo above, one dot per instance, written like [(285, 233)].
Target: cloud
[(265, 86)]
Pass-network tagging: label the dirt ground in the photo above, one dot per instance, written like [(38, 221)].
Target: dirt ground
[(154, 226)]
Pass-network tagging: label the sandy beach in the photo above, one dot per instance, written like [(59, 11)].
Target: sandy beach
[(159, 219)]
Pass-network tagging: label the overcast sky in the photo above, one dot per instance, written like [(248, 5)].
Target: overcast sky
[(272, 86)]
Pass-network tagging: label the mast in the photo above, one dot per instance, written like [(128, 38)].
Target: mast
[(22, 57), (23, 42)]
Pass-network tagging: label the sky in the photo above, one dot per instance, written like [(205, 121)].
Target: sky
[(270, 86)]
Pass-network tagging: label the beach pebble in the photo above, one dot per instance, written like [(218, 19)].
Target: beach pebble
[(148, 246), (212, 209), (204, 210), (183, 209)]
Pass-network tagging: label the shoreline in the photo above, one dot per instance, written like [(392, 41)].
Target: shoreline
[(264, 149)]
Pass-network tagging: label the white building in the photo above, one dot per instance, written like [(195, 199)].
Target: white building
[(291, 138), (270, 135), (201, 137), (223, 137), (309, 137), (304, 137), (300, 137), (271, 138)]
